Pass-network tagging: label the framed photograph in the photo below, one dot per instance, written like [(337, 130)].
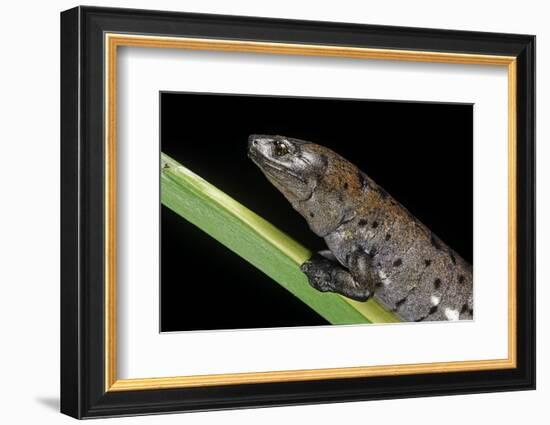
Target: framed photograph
[(261, 212)]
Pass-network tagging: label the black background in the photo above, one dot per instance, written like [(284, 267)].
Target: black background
[(421, 153)]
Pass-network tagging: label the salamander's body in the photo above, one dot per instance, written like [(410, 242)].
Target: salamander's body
[(377, 247)]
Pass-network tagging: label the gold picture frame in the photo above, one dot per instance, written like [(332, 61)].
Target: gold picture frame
[(93, 38)]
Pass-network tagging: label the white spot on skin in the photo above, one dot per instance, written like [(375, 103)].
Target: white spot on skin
[(435, 300), (384, 277), (451, 314)]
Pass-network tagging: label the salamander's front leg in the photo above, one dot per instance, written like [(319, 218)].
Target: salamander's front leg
[(327, 275)]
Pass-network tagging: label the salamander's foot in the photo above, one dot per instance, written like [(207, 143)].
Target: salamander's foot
[(318, 271), (329, 276)]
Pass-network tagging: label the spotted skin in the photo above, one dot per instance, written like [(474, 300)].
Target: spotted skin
[(377, 247)]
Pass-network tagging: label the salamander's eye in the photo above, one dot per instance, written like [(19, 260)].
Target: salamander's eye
[(281, 148)]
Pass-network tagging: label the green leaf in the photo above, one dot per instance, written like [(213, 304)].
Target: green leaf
[(258, 242)]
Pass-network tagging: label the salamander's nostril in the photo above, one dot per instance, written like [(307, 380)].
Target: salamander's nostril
[(252, 140)]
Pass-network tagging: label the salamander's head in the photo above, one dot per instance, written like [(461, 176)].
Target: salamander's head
[(293, 166), (321, 185)]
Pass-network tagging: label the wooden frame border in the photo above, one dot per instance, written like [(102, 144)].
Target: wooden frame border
[(89, 39)]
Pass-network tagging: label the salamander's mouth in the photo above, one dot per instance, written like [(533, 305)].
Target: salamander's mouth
[(272, 168), (255, 156)]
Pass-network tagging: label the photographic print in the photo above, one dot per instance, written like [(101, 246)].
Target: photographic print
[(261, 212), (304, 211)]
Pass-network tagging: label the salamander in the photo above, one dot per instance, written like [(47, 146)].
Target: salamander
[(376, 247)]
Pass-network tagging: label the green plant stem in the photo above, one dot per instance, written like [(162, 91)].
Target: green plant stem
[(258, 242)]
